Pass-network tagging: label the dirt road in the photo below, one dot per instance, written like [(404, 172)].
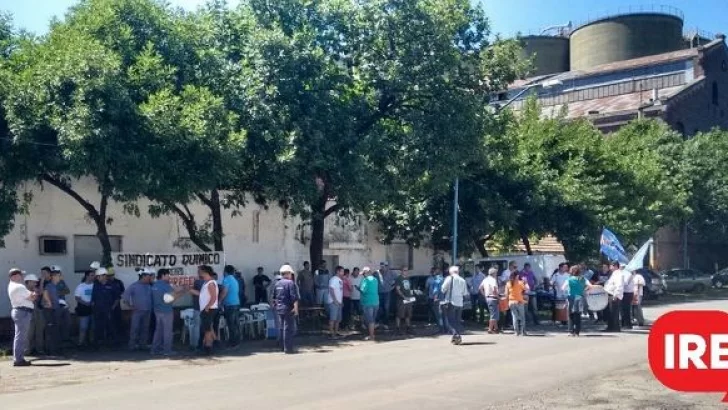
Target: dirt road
[(546, 370)]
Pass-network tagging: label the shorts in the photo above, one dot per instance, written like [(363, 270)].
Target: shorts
[(370, 314), (494, 309), (334, 311), (207, 320), (404, 310)]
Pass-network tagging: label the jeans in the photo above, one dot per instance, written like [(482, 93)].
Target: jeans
[(455, 316), (615, 306), (437, 313), (533, 309), (104, 329), (195, 329), (287, 331), (385, 304), (53, 331), (518, 311), (346, 312), (479, 307), (232, 318), (308, 297), (64, 323), (163, 332), (576, 307), (36, 333), (139, 329), (21, 318), (370, 314)]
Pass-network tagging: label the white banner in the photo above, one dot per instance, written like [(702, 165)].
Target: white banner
[(182, 265)]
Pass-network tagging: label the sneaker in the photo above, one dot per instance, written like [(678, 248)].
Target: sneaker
[(170, 354), (24, 363)]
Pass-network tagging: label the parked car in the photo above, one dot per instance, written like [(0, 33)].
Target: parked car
[(686, 280), (654, 283), (720, 278)]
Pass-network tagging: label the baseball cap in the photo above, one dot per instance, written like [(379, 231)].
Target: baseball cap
[(101, 271), (56, 269), (286, 268), (13, 271), (147, 271), (31, 278)]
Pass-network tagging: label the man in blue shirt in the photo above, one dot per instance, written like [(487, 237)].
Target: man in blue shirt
[(285, 300), (230, 297), (52, 313), (434, 285), (164, 314), (104, 298), (139, 297)]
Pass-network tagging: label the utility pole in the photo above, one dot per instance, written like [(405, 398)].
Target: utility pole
[(455, 223)]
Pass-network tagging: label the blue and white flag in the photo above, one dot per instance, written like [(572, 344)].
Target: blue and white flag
[(611, 248), (638, 260)]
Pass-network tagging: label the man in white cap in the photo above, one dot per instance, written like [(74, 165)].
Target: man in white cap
[(139, 298), (454, 290), (22, 302), (285, 301), (104, 297)]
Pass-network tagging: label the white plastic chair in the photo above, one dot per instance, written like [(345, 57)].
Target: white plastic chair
[(222, 327)]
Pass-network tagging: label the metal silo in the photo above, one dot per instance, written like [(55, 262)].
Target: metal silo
[(626, 36), (550, 53)]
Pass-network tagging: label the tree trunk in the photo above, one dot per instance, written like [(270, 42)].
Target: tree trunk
[(316, 247), (527, 244), (480, 245), (217, 232), (190, 225)]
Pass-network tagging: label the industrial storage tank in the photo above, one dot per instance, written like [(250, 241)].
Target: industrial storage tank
[(550, 54), (626, 36)]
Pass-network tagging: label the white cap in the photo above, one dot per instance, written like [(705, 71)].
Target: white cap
[(147, 271), (454, 270), (31, 277), (56, 268), (286, 268), (101, 271), (95, 265)]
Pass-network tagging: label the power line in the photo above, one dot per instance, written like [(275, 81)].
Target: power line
[(46, 144)]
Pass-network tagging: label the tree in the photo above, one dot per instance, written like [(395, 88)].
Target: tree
[(705, 158), (74, 101), (371, 99)]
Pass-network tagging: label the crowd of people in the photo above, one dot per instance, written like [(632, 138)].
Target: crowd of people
[(357, 297)]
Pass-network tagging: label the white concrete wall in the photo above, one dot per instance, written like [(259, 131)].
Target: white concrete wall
[(53, 213)]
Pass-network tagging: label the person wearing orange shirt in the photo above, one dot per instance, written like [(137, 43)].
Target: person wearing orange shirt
[(515, 289)]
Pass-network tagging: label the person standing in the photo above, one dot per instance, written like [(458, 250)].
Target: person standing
[(454, 290), (355, 281), (386, 288), (118, 321), (558, 280), (477, 301), (346, 307), (575, 287), (139, 298), (64, 314), (208, 306), (52, 313), (515, 291), (434, 295), (615, 288), (84, 306), (489, 289), (163, 313), (369, 301), (230, 298), (529, 278), (305, 282), (285, 302), (335, 301), (241, 287), (321, 280), (628, 298), (104, 299), (639, 286), (405, 301), (261, 283), (36, 331), (22, 303)]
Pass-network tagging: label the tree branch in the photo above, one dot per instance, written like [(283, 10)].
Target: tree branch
[(205, 200), (331, 210), (73, 194), (189, 221)]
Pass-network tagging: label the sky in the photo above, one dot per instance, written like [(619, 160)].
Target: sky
[(508, 17)]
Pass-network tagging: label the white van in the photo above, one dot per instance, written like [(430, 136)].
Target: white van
[(543, 265)]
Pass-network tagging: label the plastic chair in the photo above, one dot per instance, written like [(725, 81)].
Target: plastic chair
[(222, 327)]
